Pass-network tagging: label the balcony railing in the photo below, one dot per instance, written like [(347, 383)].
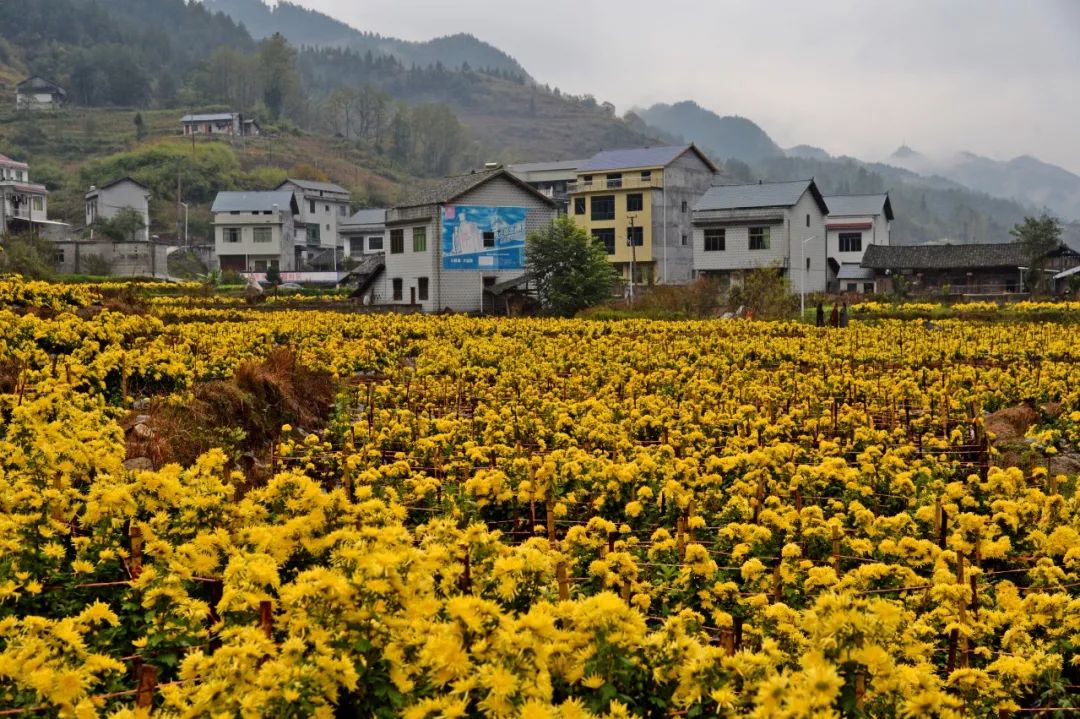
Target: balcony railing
[(631, 182)]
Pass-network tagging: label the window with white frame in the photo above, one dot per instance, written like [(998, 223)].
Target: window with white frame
[(851, 242), (760, 238)]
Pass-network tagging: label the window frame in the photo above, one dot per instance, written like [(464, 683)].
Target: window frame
[(639, 202), (423, 289), (419, 239), (397, 289), (638, 234), (762, 234), (227, 232), (600, 214), (579, 205), (717, 237), (257, 231), (372, 239), (397, 241), (604, 234), (849, 237)]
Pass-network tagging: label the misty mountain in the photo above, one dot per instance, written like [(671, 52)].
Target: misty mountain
[(1026, 178), (722, 137), (808, 152), (303, 27)]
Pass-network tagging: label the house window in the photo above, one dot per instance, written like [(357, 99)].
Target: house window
[(807, 263), (262, 234), (852, 286), (231, 234), (327, 208), (422, 289), (311, 207), (603, 207), (58, 257), (39, 204), (646, 175), (634, 202), (396, 284), (375, 242), (356, 247), (635, 236), (419, 239), (851, 242), (607, 236), (807, 219), (579, 205), (868, 288), (343, 211), (489, 239), (685, 206), (685, 240), (586, 180), (312, 234), (759, 238), (614, 180), (715, 238), (397, 242)]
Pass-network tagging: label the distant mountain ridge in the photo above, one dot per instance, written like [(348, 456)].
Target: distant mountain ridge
[(722, 137), (1026, 178), (301, 26)]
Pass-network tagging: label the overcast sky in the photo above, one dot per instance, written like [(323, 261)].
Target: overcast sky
[(996, 77)]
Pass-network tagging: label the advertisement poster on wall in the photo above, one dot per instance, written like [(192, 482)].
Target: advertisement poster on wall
[(483, 238)]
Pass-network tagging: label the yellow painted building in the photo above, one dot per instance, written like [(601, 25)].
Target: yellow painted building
[(647, 192)]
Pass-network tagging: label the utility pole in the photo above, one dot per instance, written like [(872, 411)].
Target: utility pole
[(630, 240)]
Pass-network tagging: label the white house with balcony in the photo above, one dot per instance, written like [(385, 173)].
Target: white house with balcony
[(254, 231), (362, 233), (738, 228), (324, 206), (854, 223), (24, 205)]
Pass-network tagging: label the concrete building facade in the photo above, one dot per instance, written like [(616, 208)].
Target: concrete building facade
[(447, 243), (24, 205), (254, 231), (738, 228), (854, 223), (643, 196), (323, 207), (362, 233)]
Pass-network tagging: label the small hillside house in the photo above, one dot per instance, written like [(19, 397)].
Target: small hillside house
[(222, 124), (105, 202), (774, 224), (854, 223), (450, 243), (37, 93), (637, 202), (254, 231)]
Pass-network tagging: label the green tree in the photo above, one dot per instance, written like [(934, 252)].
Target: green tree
[(124, 226), (280, 79), (140, 127), (1040, 236), (570, 268), (26, 255), (273, 276), (766, 293)]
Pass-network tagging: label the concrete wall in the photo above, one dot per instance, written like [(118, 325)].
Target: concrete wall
[(281, 244), (685, 181), (125, 259), (458, 290), (330, 210)]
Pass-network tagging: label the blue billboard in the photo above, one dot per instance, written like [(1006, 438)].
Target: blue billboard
[(483, 238)]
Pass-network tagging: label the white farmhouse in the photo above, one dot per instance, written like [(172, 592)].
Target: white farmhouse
[(221, 124), (458, 243), (777, 224), (254, 231), (854, 223), (105, 202), (362, 233), (323, 207), (37, 93)]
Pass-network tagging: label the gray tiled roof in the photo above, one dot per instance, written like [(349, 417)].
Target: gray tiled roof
[(945, 257), (366, 217), (221, 116), (745, 197), (850, 271), (633, 157), (450, 188), (554, 166), (315, 186), (252, 201), (858, 205)]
